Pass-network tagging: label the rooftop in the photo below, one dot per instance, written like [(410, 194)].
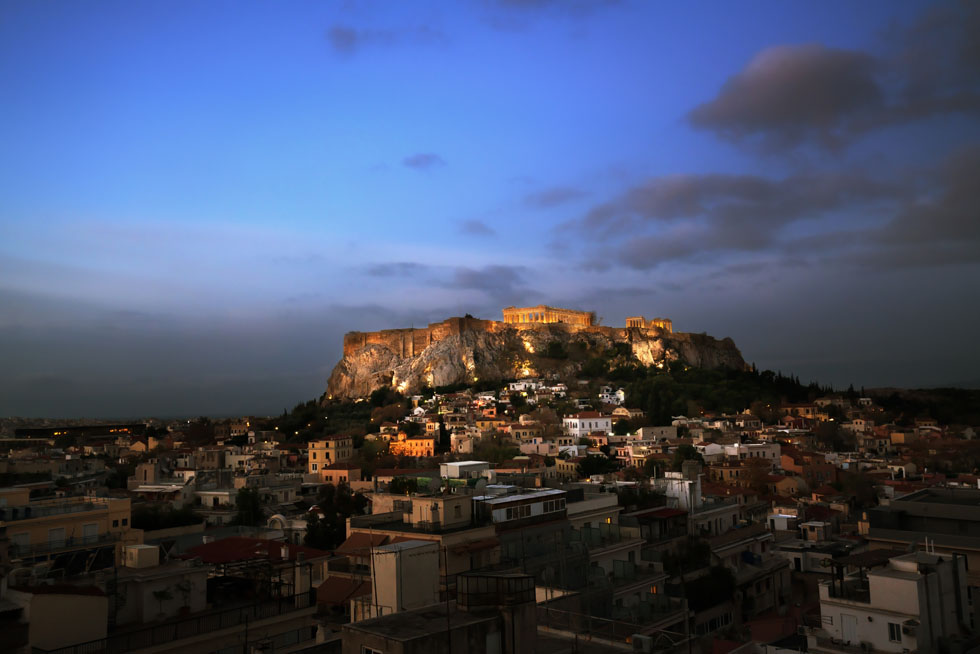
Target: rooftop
[(420, 623)]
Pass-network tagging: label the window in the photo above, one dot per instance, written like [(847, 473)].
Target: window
[(457, 511), (115, 523), (125, 521), (370, 650), (894, 632)]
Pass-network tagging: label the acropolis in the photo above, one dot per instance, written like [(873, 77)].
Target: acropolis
[(412, 341)]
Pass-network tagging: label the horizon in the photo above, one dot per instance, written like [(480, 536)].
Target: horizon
[(198, 201)]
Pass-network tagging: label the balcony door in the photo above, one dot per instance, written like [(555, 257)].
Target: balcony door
[(848, 628)]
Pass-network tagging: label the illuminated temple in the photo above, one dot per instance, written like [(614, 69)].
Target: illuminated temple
[(546, 314)]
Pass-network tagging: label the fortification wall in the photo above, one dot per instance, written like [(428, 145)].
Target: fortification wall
[(409, 342)]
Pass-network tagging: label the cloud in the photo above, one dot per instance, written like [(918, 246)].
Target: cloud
[(497, 281), (689, 216), (348, 40), (552, 197), (791, 95), (851, 220), (476, 228), (398, 269), (424, 161)]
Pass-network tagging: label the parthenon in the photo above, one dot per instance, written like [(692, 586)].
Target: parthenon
[(546, 314)]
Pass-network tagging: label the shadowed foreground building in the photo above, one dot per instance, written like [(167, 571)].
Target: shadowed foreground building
[(493, 614)]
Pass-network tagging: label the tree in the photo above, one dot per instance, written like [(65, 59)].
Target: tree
[(757, 474), (595, 368), (555, 350), (403, 485), (861, 488), (684, 453), (596, 464), (336, 503), (249, 508), (621, 427), (445, 443)]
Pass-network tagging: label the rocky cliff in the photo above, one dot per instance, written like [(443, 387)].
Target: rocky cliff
[(468, 350)]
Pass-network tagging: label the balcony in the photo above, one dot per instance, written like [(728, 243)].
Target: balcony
[(45, 508), (63, 545), (205, 623), (851, 590)]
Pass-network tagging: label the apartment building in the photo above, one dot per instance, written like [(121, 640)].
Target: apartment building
[(913, 602), (334, 449), (44, 529)]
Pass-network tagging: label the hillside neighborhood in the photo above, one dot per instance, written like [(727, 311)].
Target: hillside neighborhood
[(556, 515)]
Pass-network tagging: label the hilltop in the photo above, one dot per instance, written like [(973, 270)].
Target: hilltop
[(469, 350)]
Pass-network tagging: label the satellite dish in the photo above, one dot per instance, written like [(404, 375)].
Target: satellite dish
[(434, 484), (480, 488)]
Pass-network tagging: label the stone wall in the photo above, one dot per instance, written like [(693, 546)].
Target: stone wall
[(410, 342)]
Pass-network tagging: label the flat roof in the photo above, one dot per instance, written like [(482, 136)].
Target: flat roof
[(420, 623), (502, 499), (958, 496), (406, 545)]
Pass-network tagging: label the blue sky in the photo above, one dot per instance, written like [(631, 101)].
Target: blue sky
[(197, 199)]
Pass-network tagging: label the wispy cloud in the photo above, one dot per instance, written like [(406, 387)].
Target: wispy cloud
[(476, 228), (424, 161), (348, 40), (553, 197), (397, 269)]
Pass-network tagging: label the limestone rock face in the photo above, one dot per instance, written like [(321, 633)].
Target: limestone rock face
[(468, 351)]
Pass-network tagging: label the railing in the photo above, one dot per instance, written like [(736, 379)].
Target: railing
[(600, 628), (44, 509), (79, 542), (835, 645), (211, 622), (854, 591)]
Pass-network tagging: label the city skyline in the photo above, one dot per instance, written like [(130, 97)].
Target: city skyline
[(198, 201)]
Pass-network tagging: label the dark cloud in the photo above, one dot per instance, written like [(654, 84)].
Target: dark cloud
[(423, 161), (349, 40), (476, 228), (919, 220), (552, 197), (690, 216), (496, 281), (950, 214), (397, 269), (791, 95)]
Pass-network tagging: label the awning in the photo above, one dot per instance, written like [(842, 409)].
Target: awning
[(337, 591)]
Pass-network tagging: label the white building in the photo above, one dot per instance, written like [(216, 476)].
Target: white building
[(464, 469), (769, 451), (580, 425), (905, 605)]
